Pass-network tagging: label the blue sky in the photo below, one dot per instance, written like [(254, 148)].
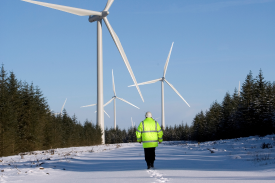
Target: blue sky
[(216, 44)]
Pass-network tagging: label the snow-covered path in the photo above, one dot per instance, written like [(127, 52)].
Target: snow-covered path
[(231, 161), (123, 164)]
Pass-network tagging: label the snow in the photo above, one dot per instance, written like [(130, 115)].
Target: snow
[(235, 160)]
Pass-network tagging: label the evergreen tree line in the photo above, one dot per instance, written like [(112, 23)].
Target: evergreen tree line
[(113, 136), (178, 132), (27, 124), (248, 113)]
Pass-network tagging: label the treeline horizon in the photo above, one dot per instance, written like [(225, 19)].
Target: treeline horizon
[(27, 124), (248, 113)]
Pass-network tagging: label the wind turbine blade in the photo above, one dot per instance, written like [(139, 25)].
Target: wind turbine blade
[(127, 102), (106, 113), (108, 5), (108, 102), (114, 88), (63, 106), (122, 53), (76, 11), (88, 105), (167, 61), (176, 91), (148, 82)]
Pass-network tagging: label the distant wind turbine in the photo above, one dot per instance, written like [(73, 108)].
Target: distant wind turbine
[(114, 98), (162, 87), (61, 109), (96, 16)]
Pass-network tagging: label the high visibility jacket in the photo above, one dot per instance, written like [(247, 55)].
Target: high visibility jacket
[(149, 133)]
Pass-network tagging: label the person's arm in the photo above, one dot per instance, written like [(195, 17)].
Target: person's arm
[(138, 133), (160, 133)]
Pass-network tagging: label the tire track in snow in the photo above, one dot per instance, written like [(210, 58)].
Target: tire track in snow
[(158, 176)]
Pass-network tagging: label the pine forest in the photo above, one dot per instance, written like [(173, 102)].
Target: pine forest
[(27, 124)]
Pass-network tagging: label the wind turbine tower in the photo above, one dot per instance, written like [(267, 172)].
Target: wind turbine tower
[(132, 123), (96, 16)]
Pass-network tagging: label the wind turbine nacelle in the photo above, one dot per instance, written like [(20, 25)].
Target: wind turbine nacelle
[(94, 18), (97, 18)]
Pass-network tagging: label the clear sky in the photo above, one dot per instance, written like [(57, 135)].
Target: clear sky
[(216, 44)]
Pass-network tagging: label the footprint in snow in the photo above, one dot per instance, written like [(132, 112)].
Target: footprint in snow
[(158, 176)]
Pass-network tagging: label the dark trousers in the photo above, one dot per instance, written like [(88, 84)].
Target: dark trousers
[(149, 155)]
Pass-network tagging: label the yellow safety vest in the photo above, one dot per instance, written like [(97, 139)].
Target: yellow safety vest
[(149, 133)]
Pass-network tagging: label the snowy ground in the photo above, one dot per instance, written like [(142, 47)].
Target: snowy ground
[(236, 160)]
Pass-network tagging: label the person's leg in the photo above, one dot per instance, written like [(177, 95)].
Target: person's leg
[(150, 156), (147, 157), (153, 155)]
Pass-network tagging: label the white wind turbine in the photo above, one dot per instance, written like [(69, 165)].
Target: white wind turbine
[(162, 88), (97, 16), (61, 108), (114, 98), (105, 113)]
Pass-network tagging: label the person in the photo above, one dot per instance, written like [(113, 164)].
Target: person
[(150, 134)]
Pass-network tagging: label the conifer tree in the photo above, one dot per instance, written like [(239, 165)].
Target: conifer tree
[(213, 118), (3, 108)]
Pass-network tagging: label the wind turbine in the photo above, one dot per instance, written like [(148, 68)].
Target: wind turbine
[(61, 108), (114, 98), (162, 87), (95, 16), (105, 113)]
